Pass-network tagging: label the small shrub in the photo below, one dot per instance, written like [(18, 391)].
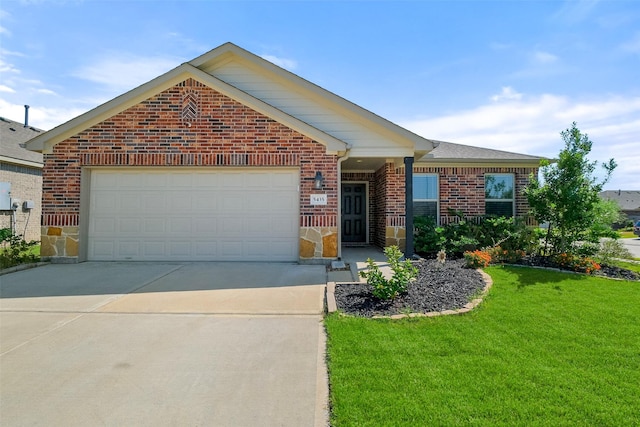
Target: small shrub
[(403, 273), (477, 259), (576, 263), (610, 249), (15, 250), (511, 256), (428, 237)]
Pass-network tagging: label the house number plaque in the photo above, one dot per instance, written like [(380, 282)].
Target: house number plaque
[(318, 199)]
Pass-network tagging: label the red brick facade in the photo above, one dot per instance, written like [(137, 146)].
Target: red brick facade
[(462, 188), (188, 125)]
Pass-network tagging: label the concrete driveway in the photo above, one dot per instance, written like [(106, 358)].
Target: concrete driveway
[(224, 344)]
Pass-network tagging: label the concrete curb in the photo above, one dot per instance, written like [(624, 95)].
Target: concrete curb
[(22, 267), (488, 282)]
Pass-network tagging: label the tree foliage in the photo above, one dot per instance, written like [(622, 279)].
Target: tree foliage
[(567, 198)]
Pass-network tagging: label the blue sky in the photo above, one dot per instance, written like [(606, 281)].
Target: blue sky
[(509, 75)]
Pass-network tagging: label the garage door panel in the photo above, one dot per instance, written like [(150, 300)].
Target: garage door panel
[(154, 226), (188, 214), (180, 249), (230, 249), (127, 202), (206, 249), (129, 225), (284, 227), (180, 225), (102, 249), (205, 226), (154, 249), (106, 201), (104, 225), (232, 203), (203, 201), (129, 249), (153, 202)]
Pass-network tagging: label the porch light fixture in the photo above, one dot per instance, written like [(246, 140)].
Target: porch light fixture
[(318, 180)]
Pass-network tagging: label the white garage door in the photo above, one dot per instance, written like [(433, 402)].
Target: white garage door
[(193, 215)]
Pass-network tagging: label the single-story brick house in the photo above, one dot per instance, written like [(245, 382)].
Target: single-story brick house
[(20, 180), (230, 157)]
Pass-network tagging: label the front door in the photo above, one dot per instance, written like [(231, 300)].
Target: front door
[(354, 213)]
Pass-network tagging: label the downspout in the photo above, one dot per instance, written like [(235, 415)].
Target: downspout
[(341, 159)]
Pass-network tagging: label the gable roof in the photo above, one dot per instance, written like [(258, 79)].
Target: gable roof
[(253, 81), (13, 135), (628, 200), (451, 152)]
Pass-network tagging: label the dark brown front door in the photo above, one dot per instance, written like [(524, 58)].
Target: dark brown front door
[(354, 213)]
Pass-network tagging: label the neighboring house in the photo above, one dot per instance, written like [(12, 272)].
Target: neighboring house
[(20, 180), (230, 157), (629, 202)]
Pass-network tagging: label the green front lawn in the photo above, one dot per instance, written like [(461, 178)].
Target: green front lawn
[(544, 348), (626, 234)]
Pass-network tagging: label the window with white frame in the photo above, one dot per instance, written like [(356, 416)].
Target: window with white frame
[(499, 194), (425, 195)]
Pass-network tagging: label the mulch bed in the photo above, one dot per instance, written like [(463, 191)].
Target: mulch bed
[(439, 287)]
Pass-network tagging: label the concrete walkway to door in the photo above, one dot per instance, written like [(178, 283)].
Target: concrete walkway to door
[(225, 344)]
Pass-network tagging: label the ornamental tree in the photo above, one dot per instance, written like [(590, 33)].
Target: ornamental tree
[(567, 197)]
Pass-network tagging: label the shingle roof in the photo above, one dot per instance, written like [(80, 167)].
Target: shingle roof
[(13, 135), (628, 200), (448, 151)]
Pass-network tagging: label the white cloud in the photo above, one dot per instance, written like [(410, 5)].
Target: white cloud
[(286, 63), (6, 89), (5, 67), (541, 57), (532, 125), (124, 71), (507, 93), (46, 92)]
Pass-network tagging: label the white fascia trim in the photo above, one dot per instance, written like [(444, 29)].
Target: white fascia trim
[(28, 163)]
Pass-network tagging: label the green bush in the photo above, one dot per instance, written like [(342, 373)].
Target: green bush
[(403, 273), (471, 233), (428, 237), (15, 250), (611, 249)]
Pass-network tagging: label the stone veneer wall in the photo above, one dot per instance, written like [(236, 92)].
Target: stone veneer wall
[(191, 125)]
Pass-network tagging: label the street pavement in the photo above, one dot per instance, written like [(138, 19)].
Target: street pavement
[(633, 245)]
